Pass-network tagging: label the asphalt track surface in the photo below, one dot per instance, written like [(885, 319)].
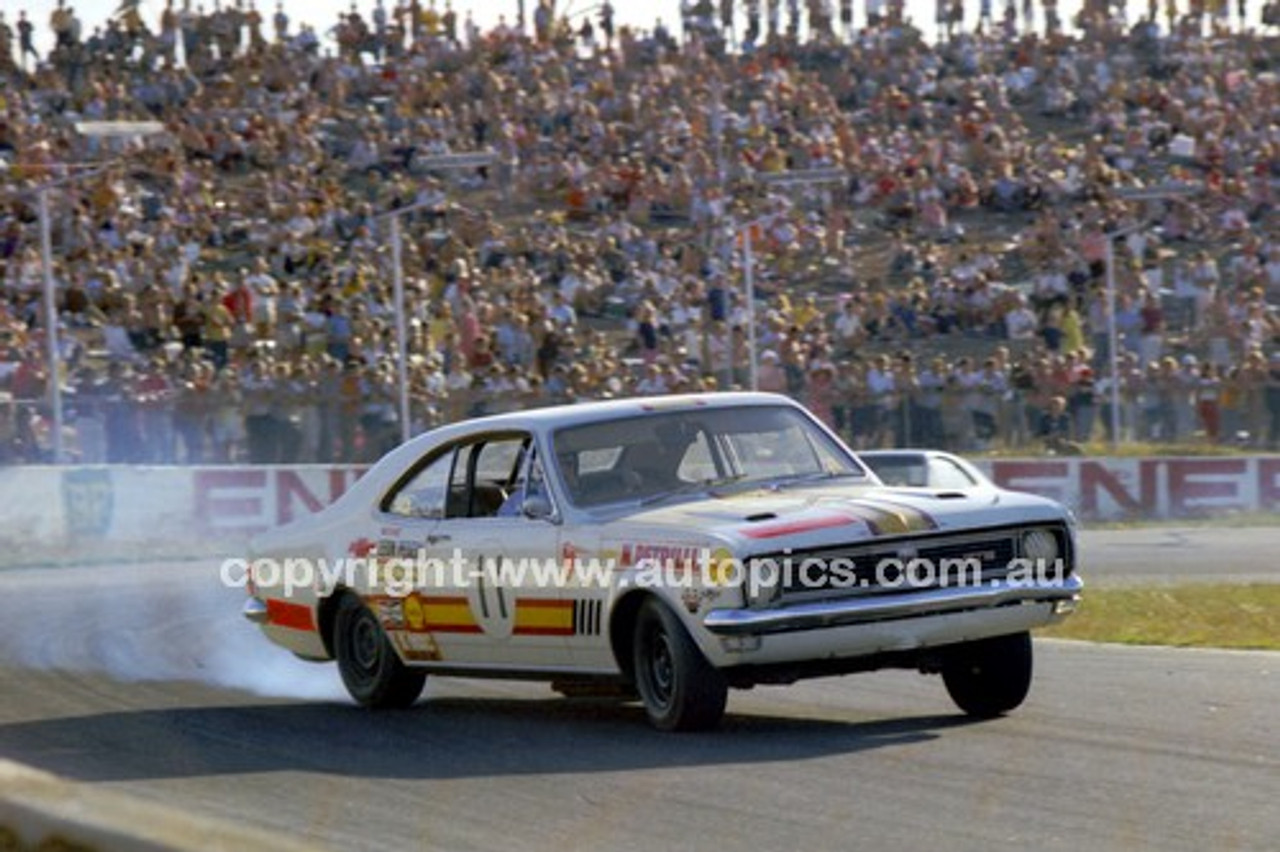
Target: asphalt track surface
[(143, 678), (1163, 554)]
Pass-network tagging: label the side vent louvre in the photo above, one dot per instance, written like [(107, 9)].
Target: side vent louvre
[(586, 617)]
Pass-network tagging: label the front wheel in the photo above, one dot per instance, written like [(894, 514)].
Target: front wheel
[(989, 677), (681, 691), (370, 669)]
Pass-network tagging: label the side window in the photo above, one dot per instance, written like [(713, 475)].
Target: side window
[(423, 496), (902, 472), (465, 481), (697, 464), (497, 461), (530, 481), (948, 474), (456, 507), (485, 473)]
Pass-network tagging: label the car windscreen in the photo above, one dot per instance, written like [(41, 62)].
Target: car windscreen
[(644, 457)]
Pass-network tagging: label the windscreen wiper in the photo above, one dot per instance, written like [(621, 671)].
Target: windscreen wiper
[(817, 476), (694, 487)]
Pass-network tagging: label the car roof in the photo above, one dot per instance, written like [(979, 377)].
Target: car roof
[(542, 420), (602, 410), (884, 454)]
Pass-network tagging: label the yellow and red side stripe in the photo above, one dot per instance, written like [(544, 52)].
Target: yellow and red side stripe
[(444, 614), (541, 617), (452, 614)]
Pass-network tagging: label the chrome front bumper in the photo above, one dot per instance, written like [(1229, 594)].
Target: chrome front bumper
[(861, 610)]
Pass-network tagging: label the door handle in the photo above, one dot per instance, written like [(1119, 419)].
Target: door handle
[(436, 539)]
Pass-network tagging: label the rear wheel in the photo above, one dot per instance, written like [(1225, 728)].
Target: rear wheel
[(991, 676), (681, 691), (370, 669)]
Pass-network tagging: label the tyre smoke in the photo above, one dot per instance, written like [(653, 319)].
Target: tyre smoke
[(161, 621)]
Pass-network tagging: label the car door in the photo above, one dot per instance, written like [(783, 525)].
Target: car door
[(524, 577), (410, 569), (506, 567)]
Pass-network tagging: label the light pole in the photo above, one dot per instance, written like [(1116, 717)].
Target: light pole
[(92, 130), (1113, 356), (53, 369), (439, 162), (748, 279), (749, 292), (402, 361), (397, 292)]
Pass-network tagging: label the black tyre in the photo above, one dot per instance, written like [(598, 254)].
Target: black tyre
[(371, 671), (681, 691), (989, 677)]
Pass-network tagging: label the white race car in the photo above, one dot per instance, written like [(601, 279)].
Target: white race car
[(933, 469), (667, 549)]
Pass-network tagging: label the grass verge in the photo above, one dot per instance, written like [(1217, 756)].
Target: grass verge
[(1206, 615)]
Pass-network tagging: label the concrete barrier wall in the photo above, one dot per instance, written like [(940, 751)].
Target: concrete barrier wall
[(1108, 489), (49, 509)]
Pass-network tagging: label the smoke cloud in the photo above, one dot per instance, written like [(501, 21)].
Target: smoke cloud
[(162, 621)]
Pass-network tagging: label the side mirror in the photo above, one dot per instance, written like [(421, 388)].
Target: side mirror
[(536, 507)]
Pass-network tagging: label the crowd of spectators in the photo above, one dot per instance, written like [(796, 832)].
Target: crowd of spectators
[(927, 221)]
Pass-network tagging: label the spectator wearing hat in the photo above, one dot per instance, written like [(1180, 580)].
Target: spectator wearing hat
[(219, 323), (1082, 405), (1255, 372), (1169, 391), (882, 390), (1189, 375), (261, 398), (849, 332), (1056, 429), (225, 404), (822, 390), (770, 376), (1208, 394), (154, 394)]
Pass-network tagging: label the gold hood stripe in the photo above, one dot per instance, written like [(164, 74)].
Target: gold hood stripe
[(887, 518)]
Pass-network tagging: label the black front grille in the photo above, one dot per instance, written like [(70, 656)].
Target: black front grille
[(900, 566)]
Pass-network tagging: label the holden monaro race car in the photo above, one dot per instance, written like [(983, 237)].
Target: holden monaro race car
[(664, 549)]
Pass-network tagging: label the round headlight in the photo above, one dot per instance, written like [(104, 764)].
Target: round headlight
[(1041, 545)]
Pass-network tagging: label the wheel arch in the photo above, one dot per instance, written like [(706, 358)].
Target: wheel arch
[(622, 624), (327, 617)]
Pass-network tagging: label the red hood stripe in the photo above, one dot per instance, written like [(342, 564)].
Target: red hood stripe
[(803, 525)]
